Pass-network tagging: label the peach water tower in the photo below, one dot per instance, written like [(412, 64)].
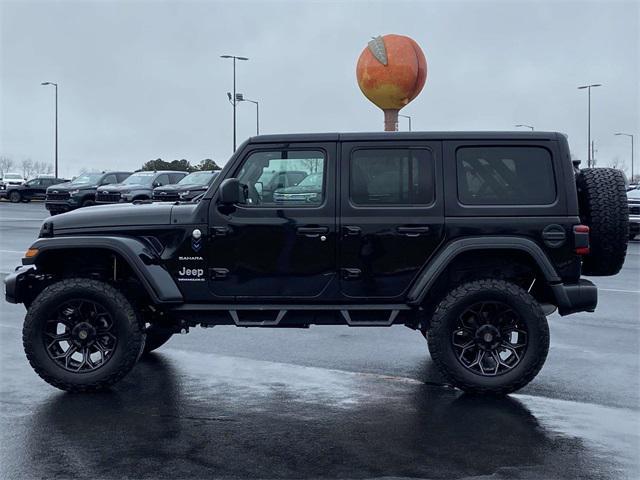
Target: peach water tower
[(391, 72)]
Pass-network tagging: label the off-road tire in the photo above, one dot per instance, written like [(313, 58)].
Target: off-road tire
[(603, 205), (443, 324), (130, 335), (15, 196), (155, 340)]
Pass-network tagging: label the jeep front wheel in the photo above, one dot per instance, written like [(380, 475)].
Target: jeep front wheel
[(82, 335), (489, 336)]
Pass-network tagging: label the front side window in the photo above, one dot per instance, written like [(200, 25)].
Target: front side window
[(283, 178), (505, 176), (109, 179), (392, 177)]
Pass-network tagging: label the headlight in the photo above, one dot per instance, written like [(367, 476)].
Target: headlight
[(74, 192), (183, 194), (125, 192)]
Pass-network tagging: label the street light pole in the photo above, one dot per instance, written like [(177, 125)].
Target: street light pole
[(240, 98), (234, 102), (631, 137), (56, 151), (526, 126), (589, 87), (408, 117)]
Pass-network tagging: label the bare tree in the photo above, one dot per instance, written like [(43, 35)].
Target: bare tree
[(618, 164), (27, 167), (6, 164)]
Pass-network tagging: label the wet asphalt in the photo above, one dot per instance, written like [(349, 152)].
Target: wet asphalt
[(327, 402)]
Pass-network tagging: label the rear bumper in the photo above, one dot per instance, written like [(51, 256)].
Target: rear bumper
[(575, 297), (15, 284)]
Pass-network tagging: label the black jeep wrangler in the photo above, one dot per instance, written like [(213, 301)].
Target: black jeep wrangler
[(472, 239)]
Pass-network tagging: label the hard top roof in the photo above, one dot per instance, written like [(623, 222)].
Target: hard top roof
[(365, 136)]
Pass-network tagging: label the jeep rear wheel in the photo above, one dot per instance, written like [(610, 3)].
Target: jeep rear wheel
[(489, 336), (82, 335), (603, 205)]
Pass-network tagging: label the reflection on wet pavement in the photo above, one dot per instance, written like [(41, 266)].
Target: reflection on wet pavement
[(174, 418)]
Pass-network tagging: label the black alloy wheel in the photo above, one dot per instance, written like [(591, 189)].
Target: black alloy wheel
[(490, 338), (80, 336)]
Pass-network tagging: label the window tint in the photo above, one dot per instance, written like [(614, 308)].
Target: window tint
[(392, 177), (109, 179), (162, 180), (505, 176), (276, 178)]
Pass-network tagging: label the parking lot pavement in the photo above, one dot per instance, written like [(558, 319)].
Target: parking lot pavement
[(327, 402)]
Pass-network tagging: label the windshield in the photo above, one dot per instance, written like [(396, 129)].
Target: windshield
[(87, 178), (140, 178), (314, 179), (13, 176), (196, 178)]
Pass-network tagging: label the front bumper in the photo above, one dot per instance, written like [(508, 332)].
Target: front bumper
[(60, 205), (3, 194), (576, 297), (16, 285)]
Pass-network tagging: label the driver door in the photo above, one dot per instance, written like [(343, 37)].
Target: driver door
[(270, 245)]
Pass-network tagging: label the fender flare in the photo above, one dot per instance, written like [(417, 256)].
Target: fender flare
[(140, 257), (439, 263)]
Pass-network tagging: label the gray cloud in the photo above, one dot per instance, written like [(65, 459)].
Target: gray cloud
[(141, 80)]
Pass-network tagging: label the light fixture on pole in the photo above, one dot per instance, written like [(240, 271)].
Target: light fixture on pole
[(631, 137), (56, 148), (240, 98), (525, 126), (589, 87), (407, 117), (232, 98)]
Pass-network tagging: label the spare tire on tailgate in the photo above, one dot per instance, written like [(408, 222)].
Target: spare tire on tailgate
[(603, 205)]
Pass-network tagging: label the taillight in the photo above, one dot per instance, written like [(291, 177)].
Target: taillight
[(581, 239)]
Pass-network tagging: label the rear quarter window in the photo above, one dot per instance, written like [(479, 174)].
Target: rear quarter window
[(513, 175)]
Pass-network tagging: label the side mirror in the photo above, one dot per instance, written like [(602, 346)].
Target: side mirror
[(229, 191)]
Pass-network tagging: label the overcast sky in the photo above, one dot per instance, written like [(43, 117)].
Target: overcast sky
[(142, 80)]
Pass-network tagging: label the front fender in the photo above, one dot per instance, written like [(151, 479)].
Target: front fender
[(142, 259)]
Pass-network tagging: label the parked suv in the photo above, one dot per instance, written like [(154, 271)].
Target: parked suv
[(138, 186), (188, 188), (472, 239), (36, 188), (80, 192), (11, 179)]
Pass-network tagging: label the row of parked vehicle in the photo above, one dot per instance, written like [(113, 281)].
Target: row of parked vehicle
[(62, 195)]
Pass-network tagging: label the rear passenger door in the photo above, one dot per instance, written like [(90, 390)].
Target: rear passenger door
[(391, 215)]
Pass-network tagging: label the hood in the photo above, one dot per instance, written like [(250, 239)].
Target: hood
[(119, 187), (118, 215), (66, 187), (634, 195), (180, 188)]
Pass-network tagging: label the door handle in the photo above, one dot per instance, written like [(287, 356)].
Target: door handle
[(412, 231), (352, 230), (312, 231)]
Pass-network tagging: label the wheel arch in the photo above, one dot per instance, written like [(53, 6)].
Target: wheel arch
[(139, 257), (517, 251)]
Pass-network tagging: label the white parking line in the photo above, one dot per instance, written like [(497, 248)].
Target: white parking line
[(618, 290)]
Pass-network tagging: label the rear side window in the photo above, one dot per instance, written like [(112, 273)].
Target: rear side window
[(505, 176), (391, 176)]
